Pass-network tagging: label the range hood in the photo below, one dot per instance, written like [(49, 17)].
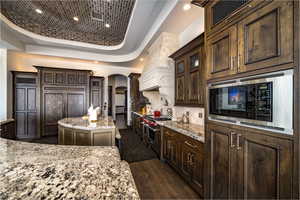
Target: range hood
[(158, 74)]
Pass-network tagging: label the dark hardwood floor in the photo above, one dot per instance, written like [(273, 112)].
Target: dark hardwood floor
[(156, 180)]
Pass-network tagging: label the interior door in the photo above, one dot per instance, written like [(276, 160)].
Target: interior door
[(266, 37), (221, 162), (222, 53), (264, 166), (53, 111)]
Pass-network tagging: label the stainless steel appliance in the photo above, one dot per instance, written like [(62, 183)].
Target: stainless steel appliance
[(151, 131), (263, 101)]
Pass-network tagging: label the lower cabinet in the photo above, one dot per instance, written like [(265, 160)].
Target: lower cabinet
[(247, 165), (186, 156)]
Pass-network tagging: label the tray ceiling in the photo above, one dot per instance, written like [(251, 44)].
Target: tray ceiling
[(56, 19)]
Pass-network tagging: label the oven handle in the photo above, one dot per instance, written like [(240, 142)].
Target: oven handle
[(155, 130)]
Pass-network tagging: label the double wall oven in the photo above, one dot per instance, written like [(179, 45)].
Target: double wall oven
[(263, 101)]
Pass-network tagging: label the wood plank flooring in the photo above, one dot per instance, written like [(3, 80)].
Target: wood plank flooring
[(156, 180)]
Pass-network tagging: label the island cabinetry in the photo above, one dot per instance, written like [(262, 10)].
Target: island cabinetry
[(189, 73), (186, 156), (256, 42), (76, 131), (248, 165), (63, 93)]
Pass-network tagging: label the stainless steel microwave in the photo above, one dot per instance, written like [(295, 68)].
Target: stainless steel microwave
[(262, 101)]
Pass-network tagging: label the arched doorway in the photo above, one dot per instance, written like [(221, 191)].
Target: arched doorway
[(117, 99)]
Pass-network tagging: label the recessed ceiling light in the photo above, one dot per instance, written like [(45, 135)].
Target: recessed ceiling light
[(186, 6), (76, 19), (96, 62), (141, 59), (107, 25), (38, 11)]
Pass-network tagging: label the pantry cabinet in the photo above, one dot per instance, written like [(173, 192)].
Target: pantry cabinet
[(243, 164), (189, 73), (186, 156)]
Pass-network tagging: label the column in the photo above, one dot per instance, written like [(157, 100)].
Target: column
[(3, 84)]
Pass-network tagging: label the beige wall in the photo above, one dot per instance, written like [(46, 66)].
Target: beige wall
[(19, 61)]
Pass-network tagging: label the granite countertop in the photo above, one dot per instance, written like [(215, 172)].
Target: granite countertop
[(191, 130), (5, 121), (79, 123), (41, 171)]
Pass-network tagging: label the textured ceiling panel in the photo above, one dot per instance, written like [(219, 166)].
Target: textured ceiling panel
[(56, 19)]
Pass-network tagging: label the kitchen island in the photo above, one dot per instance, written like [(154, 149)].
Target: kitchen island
[(79, 131), (41, 171)]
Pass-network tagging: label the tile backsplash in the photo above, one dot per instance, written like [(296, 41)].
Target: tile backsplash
[(194, 114)]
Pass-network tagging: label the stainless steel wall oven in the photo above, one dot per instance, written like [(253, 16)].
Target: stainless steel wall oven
[(262, 101)]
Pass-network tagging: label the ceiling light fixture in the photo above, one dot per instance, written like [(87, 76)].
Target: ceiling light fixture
[(76, 19), (141, 59), (96, 62), (186, 7), (38, 11), (107, 25)]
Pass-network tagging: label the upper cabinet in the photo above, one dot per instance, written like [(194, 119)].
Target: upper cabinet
[(222, 53), (266, 37), (244, 36), (189, 73)]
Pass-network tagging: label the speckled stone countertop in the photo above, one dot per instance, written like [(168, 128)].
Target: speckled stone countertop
[(192, 130), (5, 121), (41, 171), (79, 123)]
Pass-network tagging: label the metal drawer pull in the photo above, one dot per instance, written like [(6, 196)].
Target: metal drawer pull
[(189, 144), (238, 142), (231, 139)]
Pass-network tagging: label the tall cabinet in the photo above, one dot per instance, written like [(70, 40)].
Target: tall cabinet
[(245, 38), (63, 93), (25, 109)]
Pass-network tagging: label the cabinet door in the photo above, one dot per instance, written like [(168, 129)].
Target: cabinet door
[(222, 53), (266, 37), (221, 162), (265, 167), (194, 65), (75, 104), (180, 89), (53, 111), (171, 148), (185, 164)]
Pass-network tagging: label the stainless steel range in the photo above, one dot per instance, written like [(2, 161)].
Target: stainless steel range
[(151, 131)]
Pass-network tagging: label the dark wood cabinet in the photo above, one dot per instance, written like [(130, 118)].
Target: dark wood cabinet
[(220, 160), (248, 165), (266, 37), (171, 148), (25, 104), (222, 53), (259, 35), (8, 130), (189, 73), (63, 93), (186, 156), (96, 91), (264, 167)]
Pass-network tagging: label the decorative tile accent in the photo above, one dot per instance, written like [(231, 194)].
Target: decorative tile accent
[(56, 21)]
